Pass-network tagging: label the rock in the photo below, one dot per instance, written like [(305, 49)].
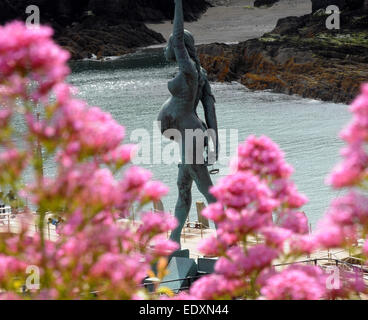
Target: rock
[(96, 37), (300, 56), (260, 3)]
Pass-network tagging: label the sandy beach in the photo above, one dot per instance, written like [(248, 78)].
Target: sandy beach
[(239, 21)]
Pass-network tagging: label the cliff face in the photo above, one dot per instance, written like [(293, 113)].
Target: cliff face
[(300, 56), (102, 27)]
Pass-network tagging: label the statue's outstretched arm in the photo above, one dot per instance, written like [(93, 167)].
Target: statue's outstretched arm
[(208, 102), (181, 53)]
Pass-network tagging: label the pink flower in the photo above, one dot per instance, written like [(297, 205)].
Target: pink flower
[(243, 189), (102, 188), (121, 268), (216, 287), (352, 169), (240, 223), (349, 209), (294, 221), (100, 131), (164, 247), (237, 263), (211, 247), (232, 265), (357, 130), (136, 178), (121, 155), (275, 236), (339, 227), (295, 283), (287, 194), (156, 223), (73, 223), (10, 265), (262, 157), (303, 244), (31, 52), (74, 247), (215, 212), (85, 183), (153, 191), (131, 187), (259, 257), (332, 235), (365, 247)]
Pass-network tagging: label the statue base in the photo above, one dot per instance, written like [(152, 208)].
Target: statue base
[(206, 265), (180, 254), (181, 273)]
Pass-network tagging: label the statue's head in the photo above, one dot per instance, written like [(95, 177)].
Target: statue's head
[(189, 44)]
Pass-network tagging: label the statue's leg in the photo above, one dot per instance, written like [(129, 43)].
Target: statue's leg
[(202, 178), (184, 202)]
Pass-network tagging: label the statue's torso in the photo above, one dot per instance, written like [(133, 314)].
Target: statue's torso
[(178, 112)]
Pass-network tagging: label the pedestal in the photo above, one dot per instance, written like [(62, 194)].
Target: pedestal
[(206, 265), (179, 270)]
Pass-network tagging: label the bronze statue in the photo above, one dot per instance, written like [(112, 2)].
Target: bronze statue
[(179, 114)]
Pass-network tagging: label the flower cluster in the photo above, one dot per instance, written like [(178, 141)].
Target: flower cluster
[(353, 170), (258, 201), (97, 253), (346, 221), (296, 283)]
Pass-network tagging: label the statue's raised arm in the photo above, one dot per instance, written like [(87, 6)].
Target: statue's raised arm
[(182, 57)]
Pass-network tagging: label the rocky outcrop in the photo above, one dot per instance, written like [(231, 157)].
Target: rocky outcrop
[(94, 37), (102, 27), (300, 56)]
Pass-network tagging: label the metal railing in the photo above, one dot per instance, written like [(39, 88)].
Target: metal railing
[(11, 222), (4, 211), (5, 217), (317, 262)]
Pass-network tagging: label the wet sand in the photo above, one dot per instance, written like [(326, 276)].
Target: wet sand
[(237, 22)]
